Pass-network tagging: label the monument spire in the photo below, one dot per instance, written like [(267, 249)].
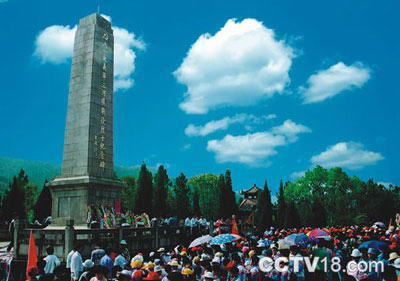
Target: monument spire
[(87, 175)]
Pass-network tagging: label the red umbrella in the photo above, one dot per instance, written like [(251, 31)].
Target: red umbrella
[(318, 233)]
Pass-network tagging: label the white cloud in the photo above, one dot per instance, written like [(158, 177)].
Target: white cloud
[(386, 184), (351, 155), (186, 147), (296, 175), (290, 129), (251, 149), (238, 66), (55, 45), (223, 124), (271, 116), (334, 80)]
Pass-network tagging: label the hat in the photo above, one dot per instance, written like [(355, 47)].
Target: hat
[(149, 265), (396, 263), (151, 254), (174, 263), (356, 253), (393, 256), (196, 259), (187, 271), (216, 260), (123, 242), (373, 251), (137, 274), (126, 273), (183, 253), (252, 253), (88, 264), (152, 276), (208, 275), (157, 268), (136, 264), (161, 250)]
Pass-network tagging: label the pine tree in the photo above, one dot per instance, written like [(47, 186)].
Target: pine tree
[(231, 196), (264, 209), (182, 191), (223, 200), (144, 195), (292, 218), (42, 208), (13, 204), (161, 182), (128, 196), (281, 215)]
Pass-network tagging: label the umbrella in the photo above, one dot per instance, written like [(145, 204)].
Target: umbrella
[(224, 238), (379, 245), (282, 245), (297, 239), (200, 240), (318, 233), (379, 224)]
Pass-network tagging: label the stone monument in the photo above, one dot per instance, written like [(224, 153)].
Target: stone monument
[(87, 176)]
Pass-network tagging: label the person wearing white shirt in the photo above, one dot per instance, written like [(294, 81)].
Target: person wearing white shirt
[(51, 261), (69, 257), (76, 264)]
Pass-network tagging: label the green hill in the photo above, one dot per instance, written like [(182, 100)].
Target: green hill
[(38, 172)]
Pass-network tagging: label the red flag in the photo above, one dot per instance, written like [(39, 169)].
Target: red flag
[(235, 229), (117, 206), (32, 255)]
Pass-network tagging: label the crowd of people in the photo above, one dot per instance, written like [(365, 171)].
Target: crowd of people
[(106, 217), (241, 258)]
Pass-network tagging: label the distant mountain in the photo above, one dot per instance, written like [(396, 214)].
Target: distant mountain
[(38, 172)]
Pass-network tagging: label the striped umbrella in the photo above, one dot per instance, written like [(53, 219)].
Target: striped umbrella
[(297, 239), (318, 233), (200, 240)]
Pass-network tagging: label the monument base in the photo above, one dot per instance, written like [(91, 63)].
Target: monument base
[(72, 197)]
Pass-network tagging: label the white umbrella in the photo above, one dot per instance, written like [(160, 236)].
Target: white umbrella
[(200, 240)]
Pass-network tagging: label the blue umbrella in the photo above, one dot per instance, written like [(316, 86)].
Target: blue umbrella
[(297, 239), (224, 238), (379, 245)]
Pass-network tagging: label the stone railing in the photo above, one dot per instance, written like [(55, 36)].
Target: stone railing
[(138, 239)]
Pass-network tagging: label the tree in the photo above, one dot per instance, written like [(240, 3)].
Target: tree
[(144, 195), (196, 203), (13, 205), (291, 215), (182, 191), (230, 194), (281, 215), (161, 182), (223, 204), (209, 194), (264, 209), (31, 195), (42, 208), (128, 195)]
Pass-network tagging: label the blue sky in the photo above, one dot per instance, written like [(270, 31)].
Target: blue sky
[(285, 84)]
